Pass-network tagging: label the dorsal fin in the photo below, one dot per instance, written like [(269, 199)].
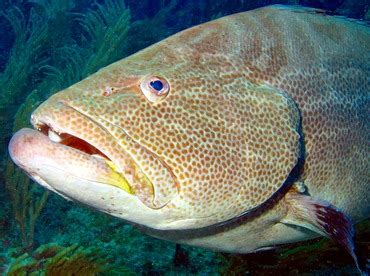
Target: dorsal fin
[(300, 9), (310, 10)]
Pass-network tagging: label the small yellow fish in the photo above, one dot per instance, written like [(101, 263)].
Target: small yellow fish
[(222, 136)]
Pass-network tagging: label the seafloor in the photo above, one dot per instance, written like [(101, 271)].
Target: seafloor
[(47, 45)]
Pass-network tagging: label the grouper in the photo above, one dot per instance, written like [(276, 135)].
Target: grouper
[(236, 135)]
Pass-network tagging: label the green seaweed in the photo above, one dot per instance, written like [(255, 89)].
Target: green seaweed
[(35, 40), (107, 27), (59, 71), (25, 204)]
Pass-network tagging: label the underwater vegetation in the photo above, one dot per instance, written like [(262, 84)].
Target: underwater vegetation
[(52, 259), (51, 44), (59, 64)]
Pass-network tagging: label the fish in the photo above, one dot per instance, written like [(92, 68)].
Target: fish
[(237, 135)]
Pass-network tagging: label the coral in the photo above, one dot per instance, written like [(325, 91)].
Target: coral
[(53, 259), (128, 246)]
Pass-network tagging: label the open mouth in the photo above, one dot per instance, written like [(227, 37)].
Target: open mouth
[(117, 178), (70, 141), (132, 178)]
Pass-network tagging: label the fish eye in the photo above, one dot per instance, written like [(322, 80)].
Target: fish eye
[(155, 88), (156, 84)]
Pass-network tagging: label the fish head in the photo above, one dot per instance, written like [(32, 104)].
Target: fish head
[(172, 137)]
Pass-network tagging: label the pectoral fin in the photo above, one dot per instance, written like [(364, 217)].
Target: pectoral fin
[(321, 217)]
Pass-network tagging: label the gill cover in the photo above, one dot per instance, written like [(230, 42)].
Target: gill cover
[(272, 146), (260, 146)]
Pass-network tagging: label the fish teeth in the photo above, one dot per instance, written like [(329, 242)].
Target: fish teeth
[(53, 136)]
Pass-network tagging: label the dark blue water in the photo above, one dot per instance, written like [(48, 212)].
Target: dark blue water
[(44, 48)]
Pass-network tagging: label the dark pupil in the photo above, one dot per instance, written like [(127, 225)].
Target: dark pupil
[(157, 85)]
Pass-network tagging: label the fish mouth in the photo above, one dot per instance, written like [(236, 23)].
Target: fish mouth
[(58, 130), (70, 140), (104, 151), (63, 136)]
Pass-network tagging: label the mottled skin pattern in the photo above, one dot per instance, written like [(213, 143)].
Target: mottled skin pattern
[(244, 89)]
